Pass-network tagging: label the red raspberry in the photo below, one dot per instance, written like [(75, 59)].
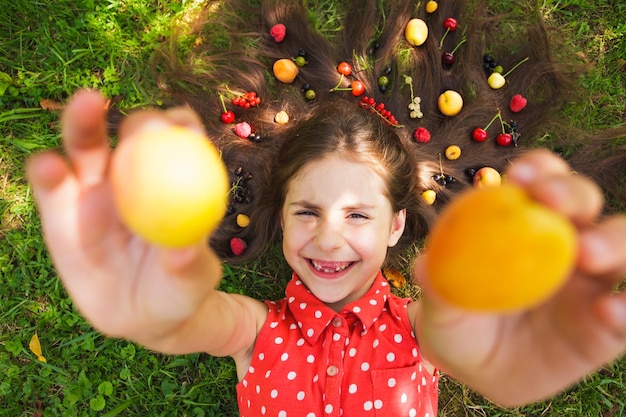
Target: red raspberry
[(238, 246), (517, 104), (421, 135), (278, 32), (243, 130)]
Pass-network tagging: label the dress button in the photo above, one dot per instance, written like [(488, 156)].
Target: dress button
[(337, 322), (332, 370)]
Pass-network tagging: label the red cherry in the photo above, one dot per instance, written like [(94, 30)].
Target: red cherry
[(344, 68), (447, 58), (227, 117), (479, 134), (450, 24), (504, 139), (357, 88)]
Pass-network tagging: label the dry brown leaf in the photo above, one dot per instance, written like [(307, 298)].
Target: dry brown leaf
[(394, 277), (50, 105)]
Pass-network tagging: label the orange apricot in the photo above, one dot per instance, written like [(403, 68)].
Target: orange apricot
[(285, 70), (169, 185), (495, 249)]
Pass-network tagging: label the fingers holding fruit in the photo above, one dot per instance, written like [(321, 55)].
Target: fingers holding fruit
[(85, 136), (549, 180), (602, 250)]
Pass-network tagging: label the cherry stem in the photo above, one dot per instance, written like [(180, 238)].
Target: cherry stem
[(336, 88), (223, 104), (408, 80), (501, 122), (440, 165), (498, 115), (516, 65), (457, 46), (443, 37)]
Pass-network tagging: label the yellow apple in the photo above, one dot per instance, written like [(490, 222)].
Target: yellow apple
[(416, 32), (495, 249), (169, 185), (487, 177), (450, 103)]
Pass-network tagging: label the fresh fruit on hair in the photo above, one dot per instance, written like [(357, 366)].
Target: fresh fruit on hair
[(487, 177), (285, 70), (521, 252), (357, 87), (242, 220), (169, 185), (479, 134), (453, 152), (238, 246), (518, 103), (497, 80), (344, 69), (450, 103), (379, 109), (416, 32), (278, 32), (310, 94), (250, 99), (243, 130), (431, 6), (300, 61), (450, 24), (448, 58), (429, 196), (504, 139), (421, 135), (227, 116), (281, 117)]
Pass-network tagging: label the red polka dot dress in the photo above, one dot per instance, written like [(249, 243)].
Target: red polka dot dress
[(310, 361)]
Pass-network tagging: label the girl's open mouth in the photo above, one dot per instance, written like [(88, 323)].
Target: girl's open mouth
[(329, 267)]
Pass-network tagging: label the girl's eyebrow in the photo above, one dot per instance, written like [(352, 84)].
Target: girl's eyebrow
[(308, 204)]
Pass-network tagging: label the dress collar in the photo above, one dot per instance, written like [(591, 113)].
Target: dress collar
[(313, 316)]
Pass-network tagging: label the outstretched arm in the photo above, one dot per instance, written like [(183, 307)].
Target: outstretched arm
[(163, 299), (530, 355)]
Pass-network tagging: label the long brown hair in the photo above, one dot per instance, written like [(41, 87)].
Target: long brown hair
[(234, 53)]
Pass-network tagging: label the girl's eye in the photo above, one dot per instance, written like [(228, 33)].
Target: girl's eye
[(358, 216), (305, 213)]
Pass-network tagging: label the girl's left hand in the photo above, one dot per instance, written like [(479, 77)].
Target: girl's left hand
[(530, 355)]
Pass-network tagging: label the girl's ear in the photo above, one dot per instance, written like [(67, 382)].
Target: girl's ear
[(397, 227)]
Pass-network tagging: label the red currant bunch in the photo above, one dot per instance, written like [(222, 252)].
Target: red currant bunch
[(247, 100), (379, 109)]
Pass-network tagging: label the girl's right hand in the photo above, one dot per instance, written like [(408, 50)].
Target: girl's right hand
[(122, 285)]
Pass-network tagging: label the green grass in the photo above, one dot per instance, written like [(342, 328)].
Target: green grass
[(47, 51)]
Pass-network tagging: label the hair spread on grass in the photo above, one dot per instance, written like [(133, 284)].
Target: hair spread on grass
[(234, 54)]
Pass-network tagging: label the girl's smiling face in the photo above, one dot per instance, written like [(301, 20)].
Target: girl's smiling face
[(337, 225)]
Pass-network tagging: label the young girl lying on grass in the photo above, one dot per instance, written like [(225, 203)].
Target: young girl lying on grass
[(342, 193)]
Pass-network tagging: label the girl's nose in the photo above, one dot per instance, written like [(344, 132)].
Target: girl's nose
[(328, 236)]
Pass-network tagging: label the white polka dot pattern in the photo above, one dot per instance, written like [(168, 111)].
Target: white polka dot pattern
[(311, 361)]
